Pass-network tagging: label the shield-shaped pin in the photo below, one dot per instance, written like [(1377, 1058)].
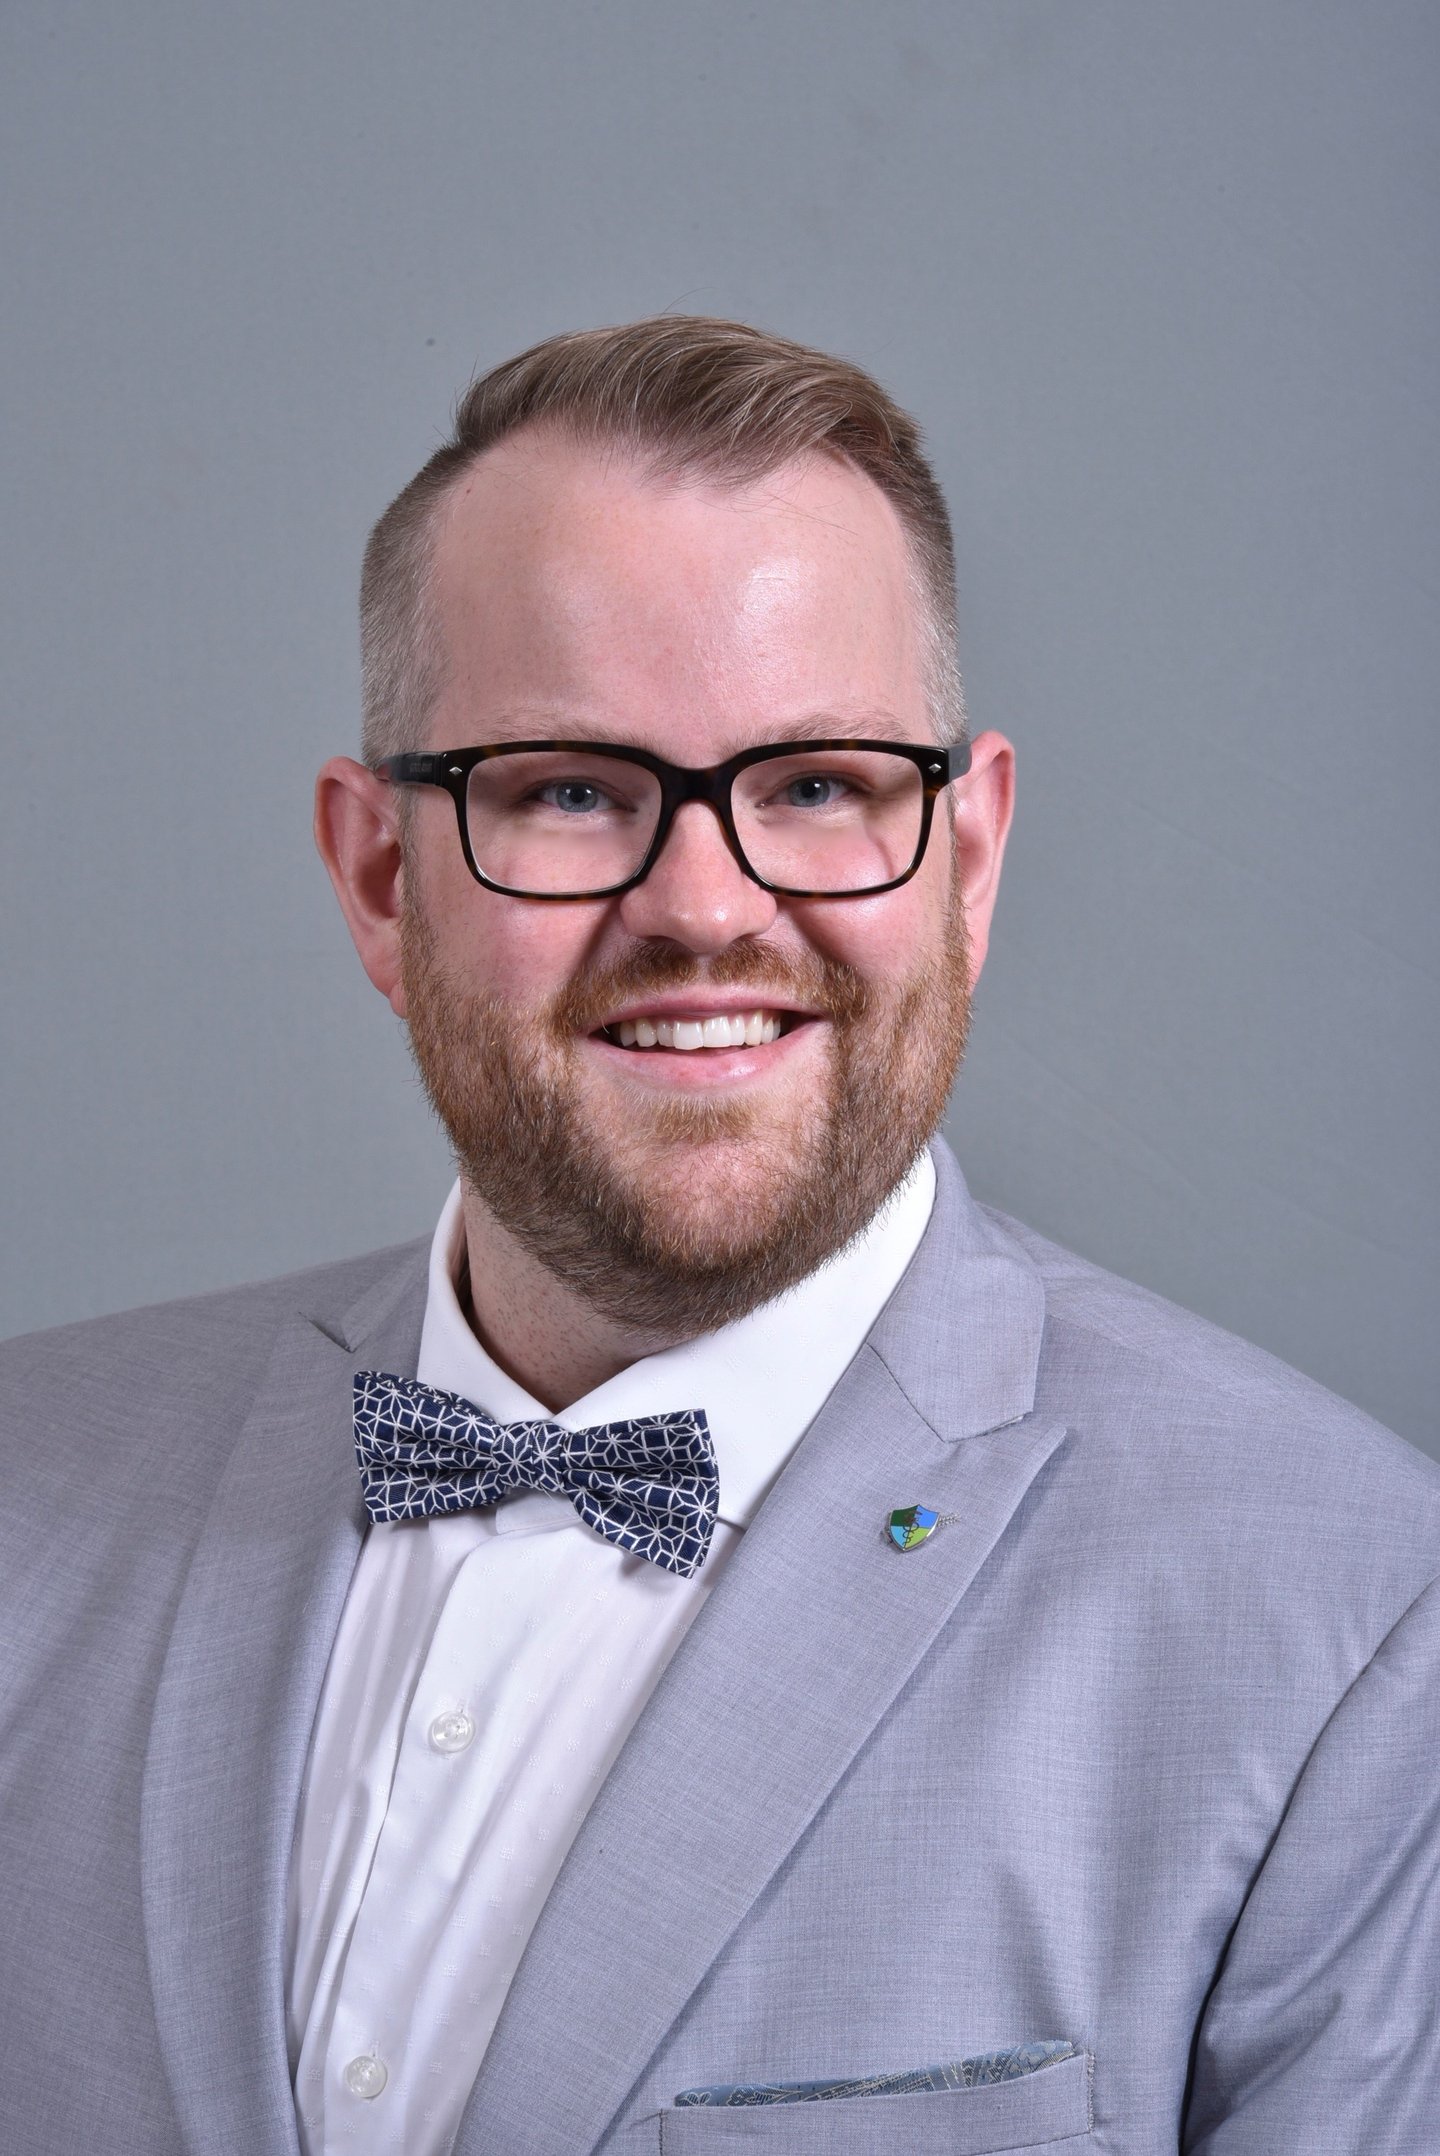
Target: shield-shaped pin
[(909, 1528)]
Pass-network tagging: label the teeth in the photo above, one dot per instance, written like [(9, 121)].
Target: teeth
[(735, 1029)]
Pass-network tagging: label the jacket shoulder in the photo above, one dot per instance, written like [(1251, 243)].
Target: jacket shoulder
[(216, 1340), (1119, 1358), (116, 1432)]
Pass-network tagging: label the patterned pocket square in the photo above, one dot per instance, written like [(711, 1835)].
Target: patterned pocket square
[(1007, 2064)]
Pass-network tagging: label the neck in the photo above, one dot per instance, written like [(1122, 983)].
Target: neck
[(550, 1341)]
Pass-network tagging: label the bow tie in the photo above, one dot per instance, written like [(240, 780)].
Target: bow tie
[(650, 1486)]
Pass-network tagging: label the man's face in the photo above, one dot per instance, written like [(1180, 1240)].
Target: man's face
[(677, 1187)]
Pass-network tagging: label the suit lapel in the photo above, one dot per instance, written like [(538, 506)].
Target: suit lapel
[(808, 1637), (233, 1715)]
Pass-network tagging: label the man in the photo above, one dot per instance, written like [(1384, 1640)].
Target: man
[(802, 1662)]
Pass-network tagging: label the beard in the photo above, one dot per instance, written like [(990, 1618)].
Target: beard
[(683, 1214)]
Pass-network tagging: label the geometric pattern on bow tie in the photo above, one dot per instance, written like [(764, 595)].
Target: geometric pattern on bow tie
[(650, 1486)]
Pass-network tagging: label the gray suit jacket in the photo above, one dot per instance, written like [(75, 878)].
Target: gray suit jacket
[(1140, 1751)]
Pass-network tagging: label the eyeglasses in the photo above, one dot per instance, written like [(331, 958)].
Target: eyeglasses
[(587, 819)]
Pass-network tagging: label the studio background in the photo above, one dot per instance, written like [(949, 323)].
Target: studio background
[(1159, 282)]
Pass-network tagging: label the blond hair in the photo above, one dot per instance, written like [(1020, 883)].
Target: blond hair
[(692, 396)]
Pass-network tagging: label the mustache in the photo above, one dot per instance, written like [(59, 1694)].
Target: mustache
[(808, 980)]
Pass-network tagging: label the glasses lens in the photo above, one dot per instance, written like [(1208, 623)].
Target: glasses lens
[(830, 820), (558, 824)]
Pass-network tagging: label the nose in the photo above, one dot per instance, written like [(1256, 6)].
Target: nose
[(697, 894)]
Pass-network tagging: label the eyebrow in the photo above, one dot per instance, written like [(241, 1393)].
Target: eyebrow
[(814, 726), (823, 725)]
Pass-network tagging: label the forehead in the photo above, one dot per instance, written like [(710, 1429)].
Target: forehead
[(572, 585)]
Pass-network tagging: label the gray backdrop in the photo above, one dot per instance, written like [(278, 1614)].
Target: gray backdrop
[(1159, 281)]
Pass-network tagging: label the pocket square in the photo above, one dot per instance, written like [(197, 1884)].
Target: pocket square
[(1006, 2064)]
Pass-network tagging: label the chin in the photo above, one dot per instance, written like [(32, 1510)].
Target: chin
[(711, 1159)]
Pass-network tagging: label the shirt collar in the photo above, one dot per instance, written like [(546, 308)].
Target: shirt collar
[(761, 1381)]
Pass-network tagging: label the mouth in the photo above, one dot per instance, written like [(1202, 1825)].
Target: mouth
[(700, 1032)]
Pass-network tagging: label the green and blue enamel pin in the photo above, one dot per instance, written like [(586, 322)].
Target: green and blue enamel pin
[(914, 1524)]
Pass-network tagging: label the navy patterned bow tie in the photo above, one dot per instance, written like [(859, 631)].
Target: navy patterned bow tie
[(651, 1485)]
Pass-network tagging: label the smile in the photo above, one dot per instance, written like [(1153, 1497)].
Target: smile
[(688, 1033)]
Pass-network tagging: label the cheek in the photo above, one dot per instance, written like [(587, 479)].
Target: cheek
[(522, 952), (882, 937), (518, 950)]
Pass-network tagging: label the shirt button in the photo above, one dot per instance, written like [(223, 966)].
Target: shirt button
[(366, 2076), (451, 1732)]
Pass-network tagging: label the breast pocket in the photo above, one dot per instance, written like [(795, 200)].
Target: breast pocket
[(1049, 2110)]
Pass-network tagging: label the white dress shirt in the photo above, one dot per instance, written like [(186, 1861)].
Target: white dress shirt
[(487, 1669)]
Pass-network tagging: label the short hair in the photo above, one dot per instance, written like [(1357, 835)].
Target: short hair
[(692, 397)]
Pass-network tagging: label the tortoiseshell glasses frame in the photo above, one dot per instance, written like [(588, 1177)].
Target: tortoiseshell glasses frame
[(937, 766)]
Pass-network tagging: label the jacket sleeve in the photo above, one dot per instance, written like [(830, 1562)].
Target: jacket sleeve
[(1322, 2032)]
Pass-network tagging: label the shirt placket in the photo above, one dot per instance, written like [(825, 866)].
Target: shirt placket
[(392, 2066)]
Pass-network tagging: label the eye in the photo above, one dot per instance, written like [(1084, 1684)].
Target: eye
[(574, 797), (812, 790)]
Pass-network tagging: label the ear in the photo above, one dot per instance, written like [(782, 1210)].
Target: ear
[(981, 805), (357, 832)]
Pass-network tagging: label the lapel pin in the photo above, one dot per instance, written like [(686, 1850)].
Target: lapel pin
[(914, 1524)]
